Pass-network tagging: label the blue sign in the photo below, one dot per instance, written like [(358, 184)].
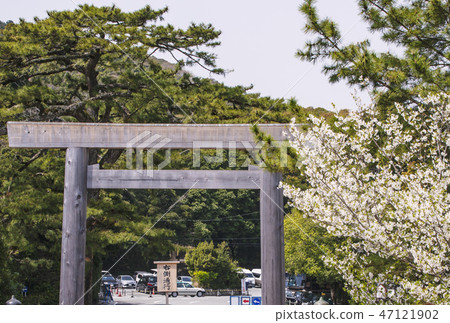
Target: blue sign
[(245, 300), (256, 300)]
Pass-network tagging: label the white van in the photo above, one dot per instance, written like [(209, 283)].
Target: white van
[(139, 274), (248, 276), (257, 273)]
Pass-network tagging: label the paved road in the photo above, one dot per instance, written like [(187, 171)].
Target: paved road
[(135, 298)]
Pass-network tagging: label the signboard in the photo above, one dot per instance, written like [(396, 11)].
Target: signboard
[(245, 300), (166, 276), (256, 300)]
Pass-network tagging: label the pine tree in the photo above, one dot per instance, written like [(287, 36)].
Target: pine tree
[(418, 28)]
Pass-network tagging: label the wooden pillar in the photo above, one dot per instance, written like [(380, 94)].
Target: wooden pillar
[(73, 244), (272, 240)]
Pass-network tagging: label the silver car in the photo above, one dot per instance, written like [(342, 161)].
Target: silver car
[(126, 281), (184, 288)]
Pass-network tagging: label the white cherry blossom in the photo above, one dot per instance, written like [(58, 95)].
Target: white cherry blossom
[(385, 186)]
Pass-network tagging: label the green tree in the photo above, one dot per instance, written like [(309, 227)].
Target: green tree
[(223, 215), (212, 266), (96, 65), (418, 28), (306, 244), (30, 212)]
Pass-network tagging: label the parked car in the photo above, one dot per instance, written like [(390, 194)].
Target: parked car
[(257, 273), (109, 281), (187, 289), (186, 279), (290, 297), (139, 274), (309, 298), (147, 284), (126, 281), (248, 276), (300, 297)]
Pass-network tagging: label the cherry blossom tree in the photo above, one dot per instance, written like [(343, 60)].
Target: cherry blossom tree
[(384, 185)]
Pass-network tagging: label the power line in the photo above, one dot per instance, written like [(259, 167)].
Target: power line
[(242, 238), (256, 244), (209, 220), (228, 218), (230, 241)]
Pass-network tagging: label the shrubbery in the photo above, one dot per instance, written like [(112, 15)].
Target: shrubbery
[(212, 267)]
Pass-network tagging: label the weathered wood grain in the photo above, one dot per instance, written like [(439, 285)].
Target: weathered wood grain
[(73, 242), (173, 179), (120, 136), (272, 240)]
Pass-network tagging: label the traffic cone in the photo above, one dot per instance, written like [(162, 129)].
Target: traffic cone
[(120, 295)]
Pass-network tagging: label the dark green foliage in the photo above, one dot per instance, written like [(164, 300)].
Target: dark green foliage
[(212, 266), (93, 65), (3, 24), (220, 215), (418, 28), (30, 210), (305, 246), (7, 278)]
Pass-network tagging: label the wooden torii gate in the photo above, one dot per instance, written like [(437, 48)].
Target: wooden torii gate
[(78, 138)]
